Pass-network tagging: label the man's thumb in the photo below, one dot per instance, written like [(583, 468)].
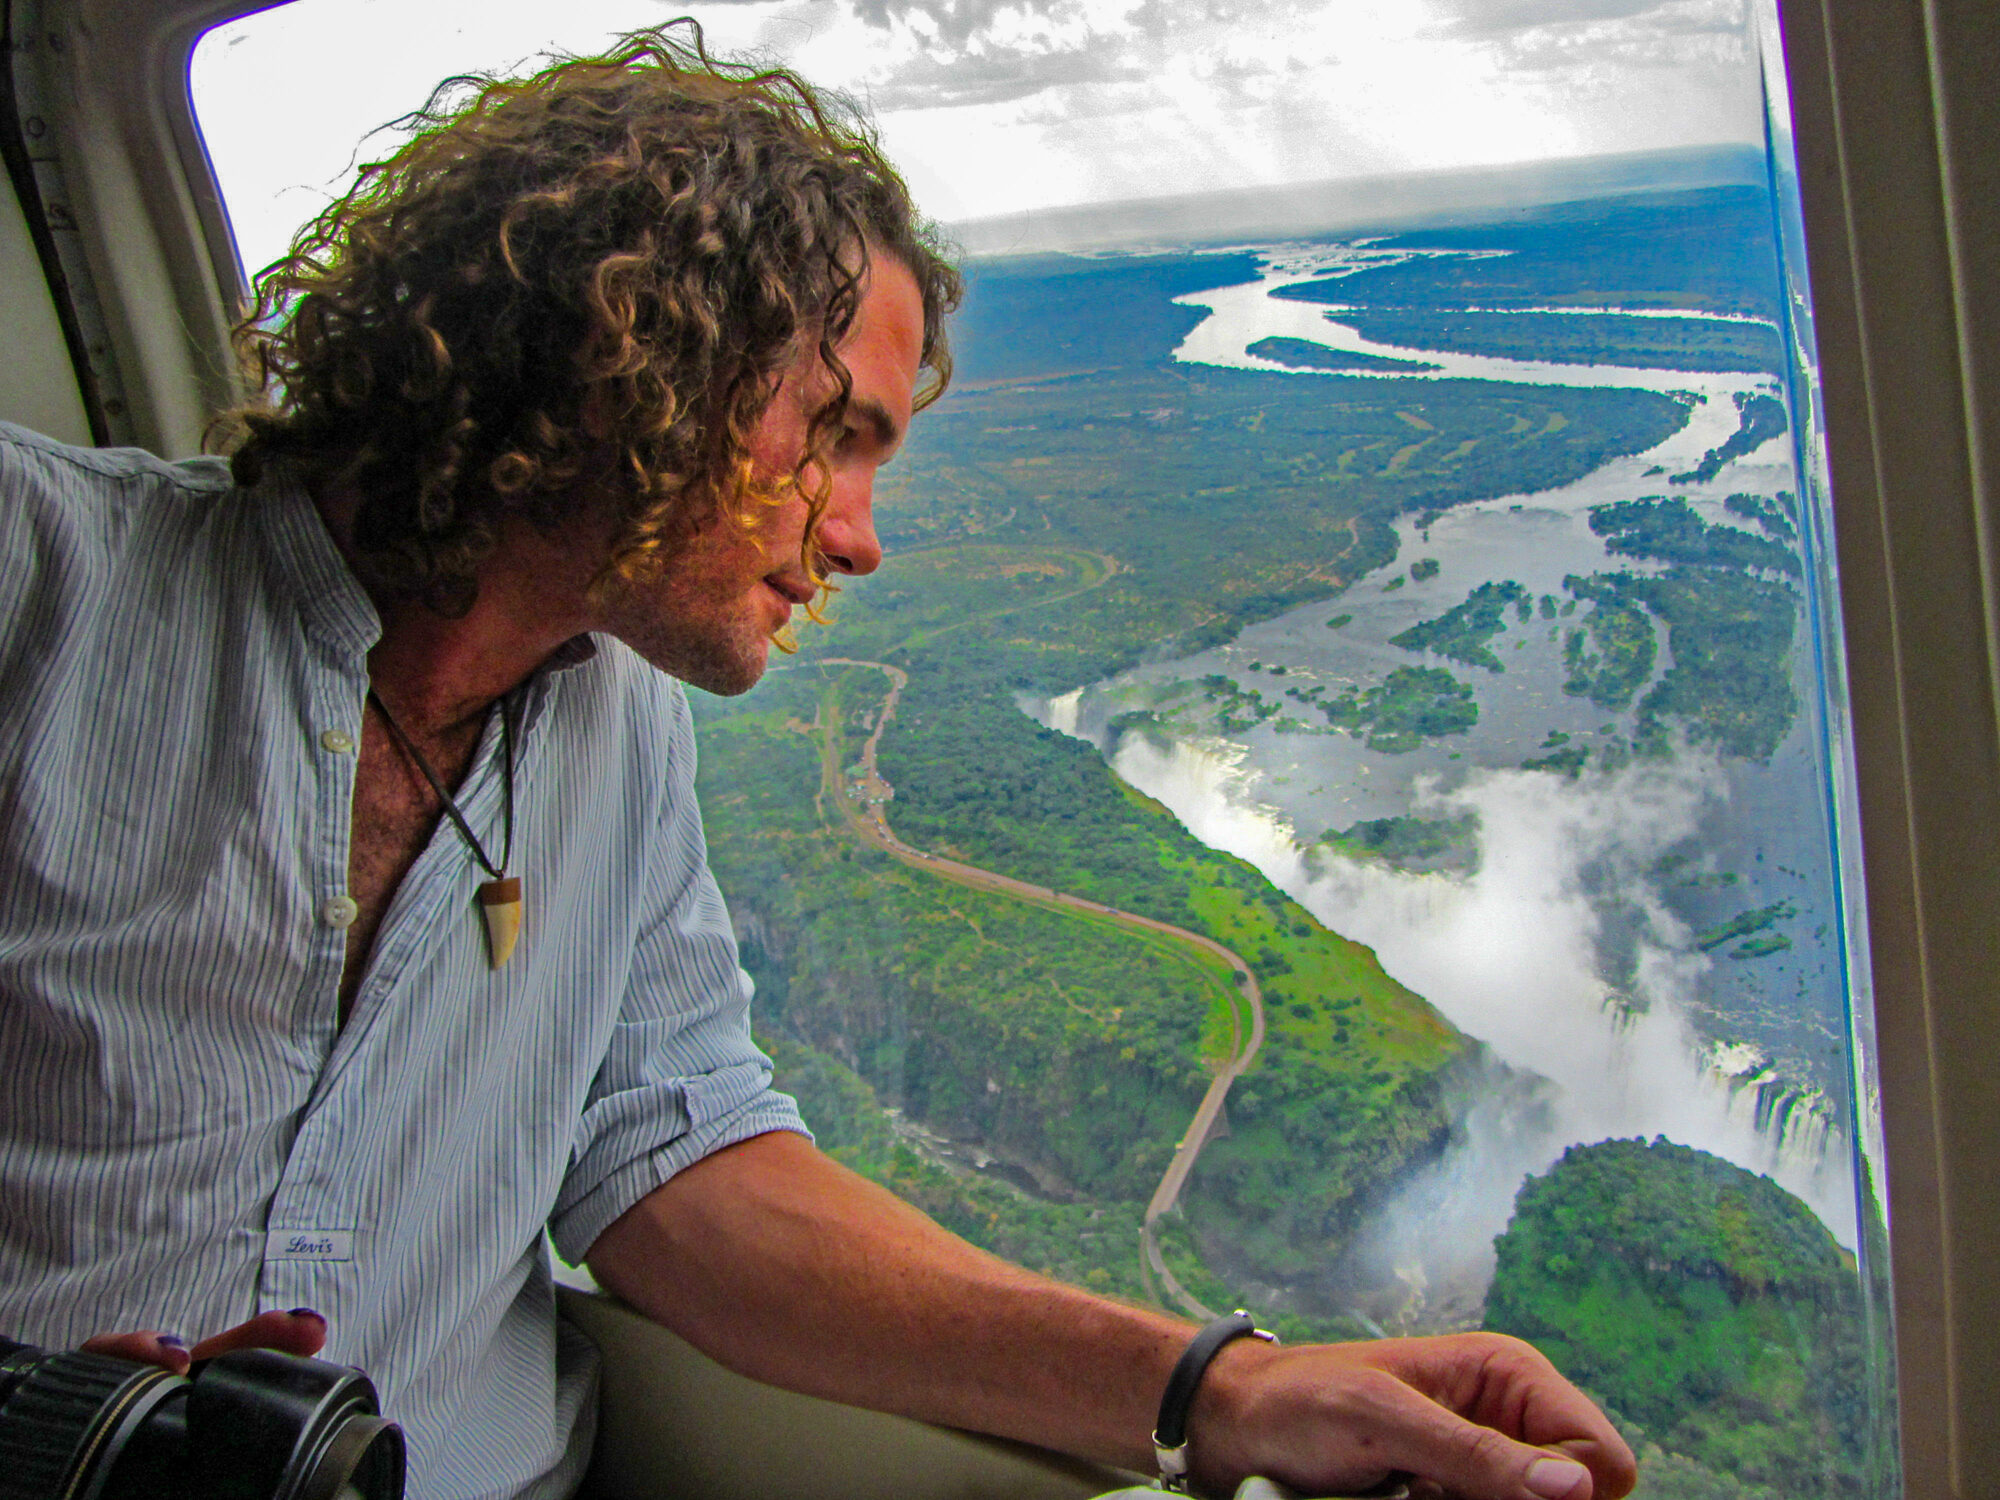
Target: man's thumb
[(1556, 1479), (1482, 1464)]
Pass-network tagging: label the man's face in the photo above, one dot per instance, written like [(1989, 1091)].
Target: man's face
[(708, 614)]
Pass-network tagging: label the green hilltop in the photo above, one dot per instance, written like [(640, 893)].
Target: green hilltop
[(1705, 1307)]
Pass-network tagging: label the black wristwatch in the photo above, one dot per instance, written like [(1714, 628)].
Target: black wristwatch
[(1170, 1445)]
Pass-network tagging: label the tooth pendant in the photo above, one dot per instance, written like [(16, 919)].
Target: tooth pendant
[(500, 905)]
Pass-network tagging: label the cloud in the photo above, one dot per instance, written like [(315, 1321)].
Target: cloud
[(996, 76), (1587, 37), (955, 23), (1500, 17), (948, 53)]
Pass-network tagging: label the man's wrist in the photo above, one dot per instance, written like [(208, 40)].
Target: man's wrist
[(1170, 1427), (1220, 1446)]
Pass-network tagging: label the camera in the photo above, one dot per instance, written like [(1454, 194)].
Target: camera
[(253, 1424)]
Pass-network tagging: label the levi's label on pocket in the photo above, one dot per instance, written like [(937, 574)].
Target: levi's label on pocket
[(309, 1244)]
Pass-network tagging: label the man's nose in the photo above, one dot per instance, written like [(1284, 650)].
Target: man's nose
[(847, 540)]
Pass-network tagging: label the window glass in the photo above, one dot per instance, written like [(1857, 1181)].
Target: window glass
[(1338, 801)]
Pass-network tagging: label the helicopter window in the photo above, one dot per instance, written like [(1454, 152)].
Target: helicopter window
[(1339, 802)]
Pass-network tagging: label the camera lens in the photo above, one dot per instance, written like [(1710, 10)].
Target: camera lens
[(69, 1420), (271, 1426), (253, 1424)]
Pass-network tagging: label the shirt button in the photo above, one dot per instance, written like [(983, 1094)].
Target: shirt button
[(339, 911), (339, 741)]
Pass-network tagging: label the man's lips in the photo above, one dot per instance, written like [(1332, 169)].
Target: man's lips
[(792, 590)]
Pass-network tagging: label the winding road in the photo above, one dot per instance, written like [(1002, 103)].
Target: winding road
[(862, 800)]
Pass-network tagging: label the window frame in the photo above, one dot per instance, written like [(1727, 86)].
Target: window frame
[(125, 202), (1898, 142)]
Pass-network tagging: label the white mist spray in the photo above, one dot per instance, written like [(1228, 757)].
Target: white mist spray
[(1510, 955)]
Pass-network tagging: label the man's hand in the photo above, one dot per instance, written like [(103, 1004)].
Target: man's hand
[(1474, 1415), (300, 1331)]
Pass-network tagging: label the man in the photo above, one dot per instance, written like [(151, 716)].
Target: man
[(354, 918)]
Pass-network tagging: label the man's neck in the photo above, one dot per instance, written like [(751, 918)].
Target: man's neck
[(441, 673)]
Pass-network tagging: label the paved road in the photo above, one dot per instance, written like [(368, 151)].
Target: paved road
[(863, 800)]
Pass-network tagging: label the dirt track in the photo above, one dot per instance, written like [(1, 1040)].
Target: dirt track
[(862, 804)]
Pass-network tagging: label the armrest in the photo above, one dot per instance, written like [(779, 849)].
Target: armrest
[(675, 1425)]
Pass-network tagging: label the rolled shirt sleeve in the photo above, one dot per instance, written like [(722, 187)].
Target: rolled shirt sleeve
[(681, 1076)]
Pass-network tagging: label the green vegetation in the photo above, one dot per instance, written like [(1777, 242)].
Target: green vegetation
[(1070, 1042), (1088, 1244), (1731, 639), (1761, 417), (1462, 631), (1424, 568), (1729, 632), (1769, 514), (1622, 635), (1705, 1307), (1242, 708), (1758, 947), (1744, 924), (1339, 622), (1071, 1046), (1569, 762), (1302, 354), (1573, 338), (978, 779), (1668, 530), (1409, 706), (1412, 843)]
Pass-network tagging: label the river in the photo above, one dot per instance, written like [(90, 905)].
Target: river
[(1571, 950)]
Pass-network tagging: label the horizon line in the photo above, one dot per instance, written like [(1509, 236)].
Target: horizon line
[(1386, 200)]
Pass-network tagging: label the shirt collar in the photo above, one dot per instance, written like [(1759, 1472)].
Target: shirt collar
[(335, 608), (571, 654)]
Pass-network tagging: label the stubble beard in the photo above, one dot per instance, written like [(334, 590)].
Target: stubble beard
[(715, 643), (727, 662)]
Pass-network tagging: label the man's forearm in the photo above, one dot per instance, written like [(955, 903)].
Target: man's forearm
[(788, 1267)]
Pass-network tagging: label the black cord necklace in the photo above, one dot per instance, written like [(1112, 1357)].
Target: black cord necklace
[(500, 897)]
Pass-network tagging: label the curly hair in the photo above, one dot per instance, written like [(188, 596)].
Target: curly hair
[(572, 291)]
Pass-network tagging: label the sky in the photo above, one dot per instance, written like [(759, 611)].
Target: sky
[(995, 107)]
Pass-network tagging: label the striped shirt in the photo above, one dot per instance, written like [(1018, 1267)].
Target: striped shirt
[(187, 1136)]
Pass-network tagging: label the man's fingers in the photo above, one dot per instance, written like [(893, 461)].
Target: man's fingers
[(300, 1331), (1383, 1424), (1503, 1383), (163, 1349)]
